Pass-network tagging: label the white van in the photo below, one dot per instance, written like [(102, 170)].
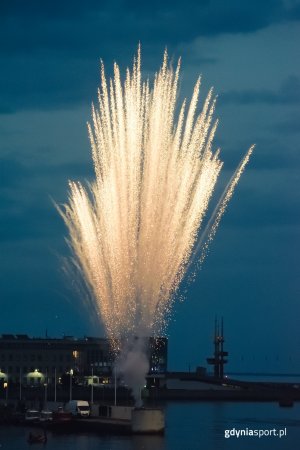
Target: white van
[(78, 408)]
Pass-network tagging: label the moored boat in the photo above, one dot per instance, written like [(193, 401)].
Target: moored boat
[(60, 416), (37, 438)]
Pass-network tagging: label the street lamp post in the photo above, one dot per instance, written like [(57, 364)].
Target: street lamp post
[(46, 389), (20, 391), (55, 384), (5, 385), (71, 376), (92, 386), (115, 370)]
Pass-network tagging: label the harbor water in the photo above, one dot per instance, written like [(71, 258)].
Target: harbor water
[(189, 426)]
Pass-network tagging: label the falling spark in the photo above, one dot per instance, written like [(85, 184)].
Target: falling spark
[(210, 230), (134, 230)]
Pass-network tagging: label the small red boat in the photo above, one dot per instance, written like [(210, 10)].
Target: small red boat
[(37, 438), (61, 416)]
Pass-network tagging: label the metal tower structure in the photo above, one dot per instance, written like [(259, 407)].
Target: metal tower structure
[(219, 358)]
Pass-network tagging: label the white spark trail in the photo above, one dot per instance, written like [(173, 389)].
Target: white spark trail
[(210, 230)]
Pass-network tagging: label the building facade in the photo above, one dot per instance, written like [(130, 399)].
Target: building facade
[(38, 360)]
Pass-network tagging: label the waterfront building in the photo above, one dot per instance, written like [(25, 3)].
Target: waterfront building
[(35, 361)]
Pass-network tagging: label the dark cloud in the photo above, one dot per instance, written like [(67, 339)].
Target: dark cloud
[(288, 126), (270, 156), (288, 93), (38, 220), (46, 84), (11, 172), (293, 11), (51, 49), (14, 173), (270, 153), (262, 209), (74, 170), (47, 9), (28, 212), (72, 23)]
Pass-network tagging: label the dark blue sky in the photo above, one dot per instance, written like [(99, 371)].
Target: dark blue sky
[(249, 51)]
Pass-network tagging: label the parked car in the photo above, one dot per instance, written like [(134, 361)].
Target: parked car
[(46, 416), (32, 415)]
